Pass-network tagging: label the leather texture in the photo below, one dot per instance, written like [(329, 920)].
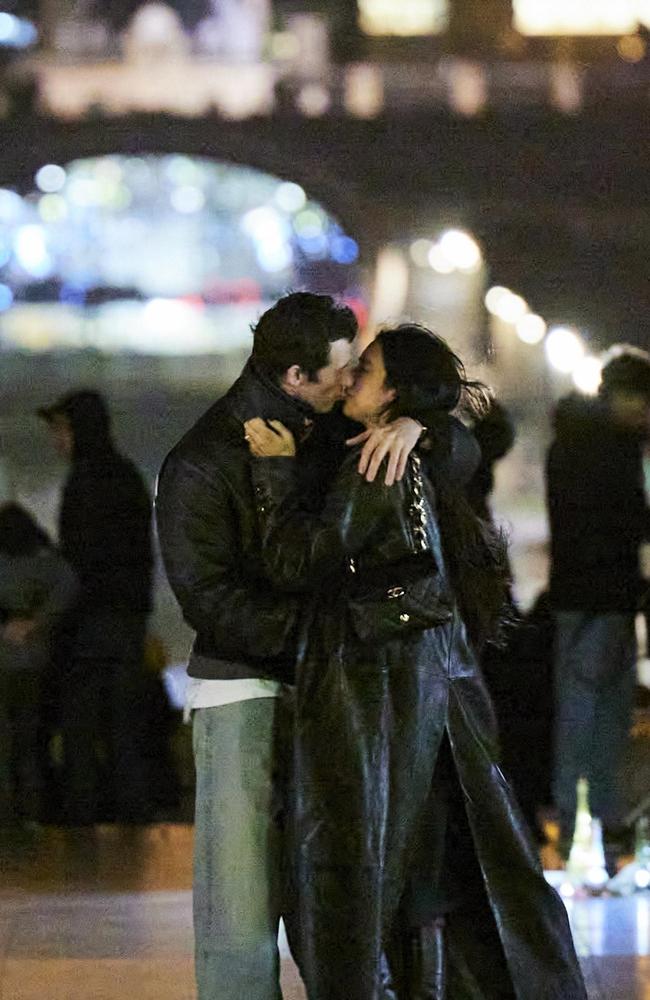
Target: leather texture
[(207, 528), (369, 722)]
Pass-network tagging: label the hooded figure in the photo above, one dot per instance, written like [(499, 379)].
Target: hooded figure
[(36, 588), (105, 535), (105, 517)]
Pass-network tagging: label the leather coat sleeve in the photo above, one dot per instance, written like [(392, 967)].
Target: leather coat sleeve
[(302, 550), (199, 539)]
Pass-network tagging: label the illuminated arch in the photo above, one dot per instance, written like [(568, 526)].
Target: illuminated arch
[(165, 254)]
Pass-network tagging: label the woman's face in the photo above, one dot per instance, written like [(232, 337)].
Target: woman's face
[(369, 396)]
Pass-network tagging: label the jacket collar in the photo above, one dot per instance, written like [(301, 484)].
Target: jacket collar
[(256, 395)]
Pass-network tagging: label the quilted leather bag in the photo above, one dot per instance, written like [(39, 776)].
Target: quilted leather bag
[(408, 598)]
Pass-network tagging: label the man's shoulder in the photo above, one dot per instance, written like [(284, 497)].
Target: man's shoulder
[(215, 434)]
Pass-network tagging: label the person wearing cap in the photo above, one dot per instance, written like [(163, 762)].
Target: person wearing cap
[(105, 535), (598, 519)]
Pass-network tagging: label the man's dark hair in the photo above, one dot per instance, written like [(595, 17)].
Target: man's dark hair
[(626, 369), (298, 330)]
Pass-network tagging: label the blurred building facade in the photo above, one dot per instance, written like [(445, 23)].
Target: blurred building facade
[(166, 169)]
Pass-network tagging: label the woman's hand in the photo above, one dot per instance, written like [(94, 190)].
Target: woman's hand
[(395, 440), (269, 439)]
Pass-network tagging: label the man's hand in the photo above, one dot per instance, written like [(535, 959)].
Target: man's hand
[(395, 440), (18, 630), (269, 440)]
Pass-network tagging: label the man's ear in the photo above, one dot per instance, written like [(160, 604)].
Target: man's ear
[(292, 380)]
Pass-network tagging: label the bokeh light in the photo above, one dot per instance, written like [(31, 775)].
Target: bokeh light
[(439, 260), (127, 231), (290, 197), (30, 247), (50, 178), (419, 251), (564, 349), (461, 250), (6, 297), (531, 328), (504, 304), (587, 375)]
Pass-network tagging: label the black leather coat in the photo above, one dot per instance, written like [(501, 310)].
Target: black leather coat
[(370, 720)]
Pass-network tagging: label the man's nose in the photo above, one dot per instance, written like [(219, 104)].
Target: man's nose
[(347, 378)]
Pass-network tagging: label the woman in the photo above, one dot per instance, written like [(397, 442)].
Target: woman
[(400, 814), (36, 587)]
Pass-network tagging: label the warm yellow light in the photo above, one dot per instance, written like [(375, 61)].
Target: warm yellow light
[(461, 250), (439, 260), (403, 17), (631, 48), (531, 329), (564, 349), (419, 251), (504, 304), (284, 45), (587, 375), (577, 17), (494, 296)]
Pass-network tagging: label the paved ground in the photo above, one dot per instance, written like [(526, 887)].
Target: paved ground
[(107, 916)]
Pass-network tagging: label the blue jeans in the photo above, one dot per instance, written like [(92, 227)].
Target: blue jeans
[(595, 661), (238, 849)]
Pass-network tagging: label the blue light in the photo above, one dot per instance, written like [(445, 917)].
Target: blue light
[(16, 32), (30, 247), (314, 246), (344, 250), (6, 298)]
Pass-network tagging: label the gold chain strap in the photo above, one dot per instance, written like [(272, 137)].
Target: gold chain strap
[(417, 509)]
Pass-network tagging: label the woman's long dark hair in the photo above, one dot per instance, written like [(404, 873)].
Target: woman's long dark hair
[(431, 382), (20, 535)]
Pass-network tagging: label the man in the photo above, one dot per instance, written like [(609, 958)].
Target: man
[(598, 520), (105, 535), (302, 361)]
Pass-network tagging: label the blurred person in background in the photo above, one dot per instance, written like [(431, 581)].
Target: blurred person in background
[(494, 432), (598, 520), (243, 656), (37, 586), (105, 535), (518, 671)]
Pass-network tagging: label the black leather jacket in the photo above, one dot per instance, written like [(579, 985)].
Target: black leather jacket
[(379, 690), (209, 539), (208, 532)]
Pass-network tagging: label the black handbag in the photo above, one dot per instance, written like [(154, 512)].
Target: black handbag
[(389, 613), (407, 596)]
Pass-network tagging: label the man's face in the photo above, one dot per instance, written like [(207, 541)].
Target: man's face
[(332, 381), (61, 435)]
